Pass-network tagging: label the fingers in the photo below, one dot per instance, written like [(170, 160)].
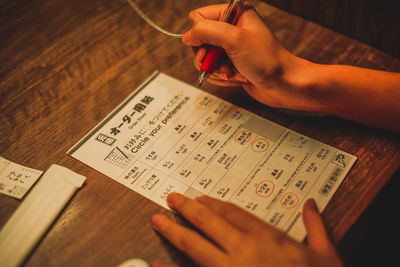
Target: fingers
[(212, 12), (317, 236), (215, 12), (222, 71), (316, 232), (188, 241), (208, 222), (209, 29), (216, 33), (318, 239), (225, 83), (233, 214), (199, 57)]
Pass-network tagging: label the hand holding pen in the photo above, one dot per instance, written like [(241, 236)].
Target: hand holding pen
[(258, 61), (269, 73), (214, 53)]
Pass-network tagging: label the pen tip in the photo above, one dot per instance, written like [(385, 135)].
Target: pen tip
[(202, 77)]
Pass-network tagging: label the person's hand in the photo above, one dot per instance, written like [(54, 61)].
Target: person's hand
[(261, 65), (239, 238)]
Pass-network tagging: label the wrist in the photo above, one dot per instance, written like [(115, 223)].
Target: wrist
[(305, 81)]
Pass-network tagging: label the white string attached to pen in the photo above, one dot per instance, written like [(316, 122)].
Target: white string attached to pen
[(150, 22)]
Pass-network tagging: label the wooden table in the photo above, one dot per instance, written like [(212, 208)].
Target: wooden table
[(66, 64)]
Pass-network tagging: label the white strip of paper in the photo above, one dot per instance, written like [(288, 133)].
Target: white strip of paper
[(15, 179), (36, 213)]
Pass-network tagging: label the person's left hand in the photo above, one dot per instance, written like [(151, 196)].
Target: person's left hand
[(240, 239)]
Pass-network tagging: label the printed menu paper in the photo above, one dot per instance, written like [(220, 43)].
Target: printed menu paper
[(15, 179), (168, 136)]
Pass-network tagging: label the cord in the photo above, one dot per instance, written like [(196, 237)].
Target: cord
[(150, 22)]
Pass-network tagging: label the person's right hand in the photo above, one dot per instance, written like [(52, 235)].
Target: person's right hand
[(261, 65), (275, 77)]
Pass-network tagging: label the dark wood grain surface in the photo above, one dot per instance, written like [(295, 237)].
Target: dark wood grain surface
[(66, 64), (376, 22)]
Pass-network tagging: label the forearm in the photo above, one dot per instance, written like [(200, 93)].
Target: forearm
[(275, 77), (363, 95)]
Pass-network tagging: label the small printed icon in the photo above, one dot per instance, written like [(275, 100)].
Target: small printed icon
[(339, 160), (118, 158), (243, 136), (105, 139), (195, 135), (260, 145), (178, 127)]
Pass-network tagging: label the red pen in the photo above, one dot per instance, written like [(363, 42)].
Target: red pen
[(213, 54)]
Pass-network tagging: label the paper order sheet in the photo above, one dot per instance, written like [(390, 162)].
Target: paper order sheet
[(168, 136)]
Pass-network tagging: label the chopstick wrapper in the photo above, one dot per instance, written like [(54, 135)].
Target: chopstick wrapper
[(36, 213)]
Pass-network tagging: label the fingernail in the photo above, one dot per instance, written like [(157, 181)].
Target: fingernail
[(311, 203), (202, 199), (157, 220), (171, 198)]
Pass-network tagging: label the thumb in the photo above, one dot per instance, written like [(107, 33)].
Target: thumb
[(317, 236), (215, 33), (318, 239)]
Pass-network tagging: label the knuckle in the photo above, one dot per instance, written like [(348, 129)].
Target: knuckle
[(238, 35), (237, 38), (243, 245), (199, 32), (240, 241), (181, 204), (185, 243), (201, 26), (197, 215), (201, 218), (226, 208), (192, 14)]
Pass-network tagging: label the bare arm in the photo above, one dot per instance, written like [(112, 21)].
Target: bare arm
[(363, 95), (277, 78)]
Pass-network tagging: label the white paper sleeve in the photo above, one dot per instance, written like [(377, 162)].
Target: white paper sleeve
[(36, 213)]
